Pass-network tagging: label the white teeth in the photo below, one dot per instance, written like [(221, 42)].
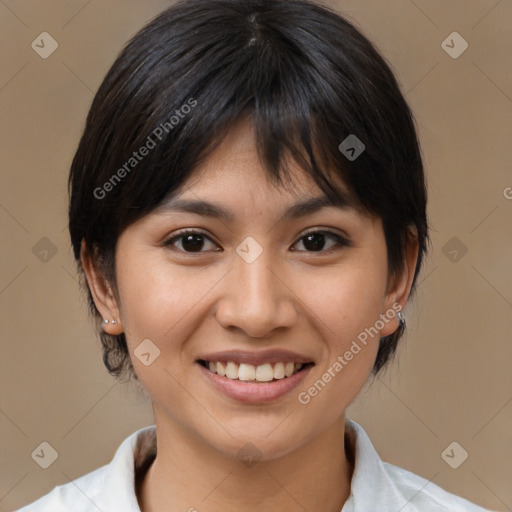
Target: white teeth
[(264, 372), (221, 369), (248, 372), (232, 371), (279, 371)]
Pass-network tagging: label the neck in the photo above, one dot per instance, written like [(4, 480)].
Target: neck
[(188, 474)]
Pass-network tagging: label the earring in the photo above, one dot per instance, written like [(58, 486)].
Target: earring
[(401, 318), (105, 320)]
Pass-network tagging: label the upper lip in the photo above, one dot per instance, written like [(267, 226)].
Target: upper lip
[(256, 358)]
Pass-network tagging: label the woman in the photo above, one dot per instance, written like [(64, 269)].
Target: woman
[(248, 210)]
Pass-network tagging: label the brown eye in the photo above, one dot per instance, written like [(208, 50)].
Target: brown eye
[(191, 241), (315, 241)]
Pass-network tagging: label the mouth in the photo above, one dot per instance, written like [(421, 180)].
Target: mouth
[(255, 382), (263, 373)]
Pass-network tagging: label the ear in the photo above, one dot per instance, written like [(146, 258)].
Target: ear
[(101, 292), (400, 285)]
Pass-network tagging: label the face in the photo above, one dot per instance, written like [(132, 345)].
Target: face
[(260, 294)]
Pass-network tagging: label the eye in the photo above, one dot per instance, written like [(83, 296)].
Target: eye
[(191, 240), (314, 241)]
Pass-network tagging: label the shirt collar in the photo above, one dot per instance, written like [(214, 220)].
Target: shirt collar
[(370, 483), (119, 482)]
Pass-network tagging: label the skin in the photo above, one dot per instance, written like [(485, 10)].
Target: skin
[(313, 302)]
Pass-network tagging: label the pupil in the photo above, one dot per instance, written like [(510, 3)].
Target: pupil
[(194, 242), (317, 243)]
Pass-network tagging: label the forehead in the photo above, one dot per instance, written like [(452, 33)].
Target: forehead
[(233, 173), (237, 157)]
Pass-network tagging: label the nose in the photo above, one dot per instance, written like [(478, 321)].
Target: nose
[(257, 298)]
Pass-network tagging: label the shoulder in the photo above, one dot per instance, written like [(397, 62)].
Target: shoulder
[(108, 488), (425, 495), (81, 494), (392, 487)]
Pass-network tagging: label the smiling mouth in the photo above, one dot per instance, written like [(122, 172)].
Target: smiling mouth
[(267, 372)]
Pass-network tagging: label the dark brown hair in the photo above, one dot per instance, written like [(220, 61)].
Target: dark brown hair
[(302, 74)]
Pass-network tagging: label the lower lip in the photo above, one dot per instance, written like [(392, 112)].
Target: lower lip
[(254, 392)]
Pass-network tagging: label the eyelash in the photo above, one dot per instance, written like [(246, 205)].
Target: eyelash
[(340, 240)]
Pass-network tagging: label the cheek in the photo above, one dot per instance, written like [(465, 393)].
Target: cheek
[(162, 302), (157, 303), (145, 292), (344, 304), (345, 300)]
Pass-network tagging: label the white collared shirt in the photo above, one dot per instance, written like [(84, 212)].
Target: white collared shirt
[(375, 486)]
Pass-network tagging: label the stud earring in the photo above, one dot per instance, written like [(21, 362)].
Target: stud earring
[(105, 320)]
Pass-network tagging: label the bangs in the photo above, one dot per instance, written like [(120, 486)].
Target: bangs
[(304, 77), (181, 101)]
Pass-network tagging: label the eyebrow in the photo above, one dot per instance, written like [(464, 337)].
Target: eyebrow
[(300, 209)]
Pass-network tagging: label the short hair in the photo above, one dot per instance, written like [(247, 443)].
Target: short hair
[(302, 74)]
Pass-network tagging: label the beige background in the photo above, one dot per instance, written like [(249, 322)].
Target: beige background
[(452, 381)]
